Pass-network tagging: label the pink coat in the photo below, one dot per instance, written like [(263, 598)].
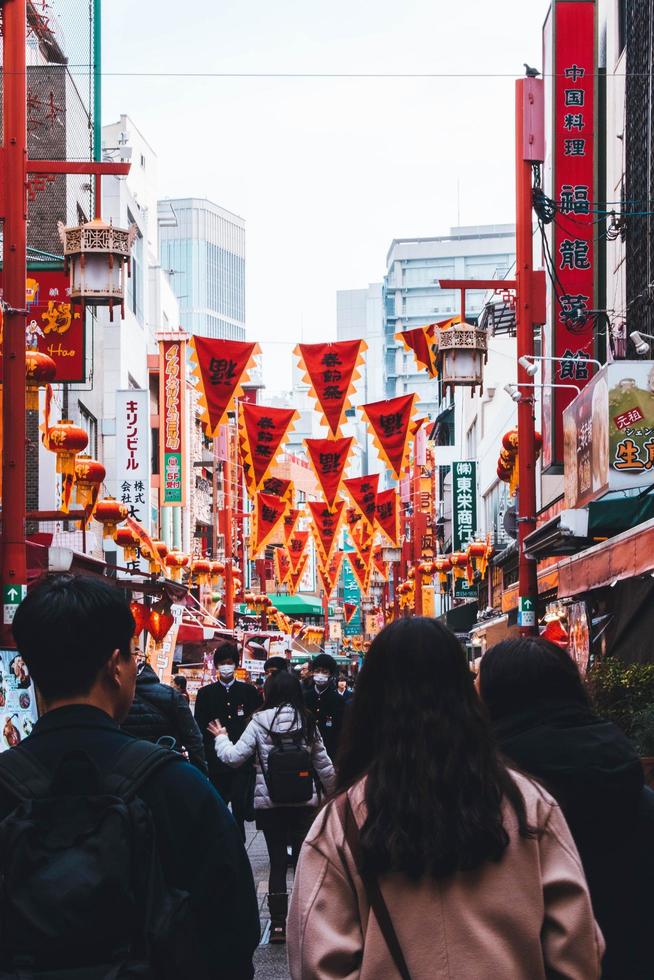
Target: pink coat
[(528, 917)]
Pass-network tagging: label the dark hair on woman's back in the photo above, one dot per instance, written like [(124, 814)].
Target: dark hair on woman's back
[(521, 674), (435, 783), (284, 689)]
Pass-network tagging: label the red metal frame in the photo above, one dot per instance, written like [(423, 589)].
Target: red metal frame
[(463, 285)]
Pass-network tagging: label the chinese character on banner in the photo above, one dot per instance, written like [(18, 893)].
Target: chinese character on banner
[(133, 453), (570, 78), (464, 503)]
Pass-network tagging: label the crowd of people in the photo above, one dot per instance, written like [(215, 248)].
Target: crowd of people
[(431, 824)]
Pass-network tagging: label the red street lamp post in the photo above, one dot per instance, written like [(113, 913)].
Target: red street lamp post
[(15, 167)]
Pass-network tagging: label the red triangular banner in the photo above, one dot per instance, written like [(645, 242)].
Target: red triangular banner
[(423, 342), (388, 515), (349, 609), (326, 523), (363, 491), (220, 367), (278, 487), (290, 522), (329, 573), (329, 459), (268, 512), (360, 568), (331, 372), (263, 431), (390, 422), (297, 547), (282, 565), (295, 577)]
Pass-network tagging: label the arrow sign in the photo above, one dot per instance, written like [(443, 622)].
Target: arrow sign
[(12, 596)]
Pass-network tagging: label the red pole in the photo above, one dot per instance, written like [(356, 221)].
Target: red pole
[(14, 558), (527, 568)]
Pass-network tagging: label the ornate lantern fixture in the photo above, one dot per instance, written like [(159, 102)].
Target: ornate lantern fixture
[(110, 513), (89, 476), (176, 562), (462, 353), (96, 256), (129, 542), (40, 370)]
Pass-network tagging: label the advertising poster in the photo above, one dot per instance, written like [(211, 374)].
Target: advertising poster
[(579, 633), (172, 393), (18, 710), (257, 647), (464, 503), (133, 453)]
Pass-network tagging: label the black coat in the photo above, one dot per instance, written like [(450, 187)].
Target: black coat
[(328, 709), (159, 710), (233, 707), (591, 768)]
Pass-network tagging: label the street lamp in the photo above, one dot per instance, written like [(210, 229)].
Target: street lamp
[(527, 362), (513, 390), (96, 255), (462, 350)]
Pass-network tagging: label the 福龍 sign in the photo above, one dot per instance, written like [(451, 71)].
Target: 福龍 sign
[(133, 453), (571, 72), (609, 433), (172, 396), (464, 503)]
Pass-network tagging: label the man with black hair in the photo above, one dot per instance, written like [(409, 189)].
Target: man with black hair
[(273, 664), (159, 853), (324, 702), (232, 703)]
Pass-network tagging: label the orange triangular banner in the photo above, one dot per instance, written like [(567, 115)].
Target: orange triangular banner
[(220, 366), (297, 547), (326, 524), (331, 370), (278, 487), (295, 577), (282, 565), (268, 512), (390, 424), (349, 609), (363, 491), (290, 522), (388, 515), (329, 573), (329, 459), (360, 569), (262, 432), (362, 535), (424, 344)]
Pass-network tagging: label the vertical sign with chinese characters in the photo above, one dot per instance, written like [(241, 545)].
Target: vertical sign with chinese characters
[(172, 395), (464, 503), (573, 190), (133, 453)]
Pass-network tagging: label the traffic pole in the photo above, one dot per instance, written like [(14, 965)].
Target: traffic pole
[(528, 93), (14, 556)]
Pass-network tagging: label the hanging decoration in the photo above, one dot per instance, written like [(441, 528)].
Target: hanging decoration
[(387, 515), (290, 522), (262, 431), (200, 571), (40, 370), (127, 540), (363, 491), (221, 367), (331, 370), (326, 525), (295, 576), (329, 458), (141, 614), (329, 573), (507, 463), (459, 562), (159, 623), (268, 512), (361, 568), (422, 341), (349, 609), (479, 553), (278, 487), (379, 563), (89, 477), (282, 565), (148, 548), (66, 440), (389, 423), (110, 514), (176, 562), (297, 548), (362, 539), (217, 572), (443, 566)]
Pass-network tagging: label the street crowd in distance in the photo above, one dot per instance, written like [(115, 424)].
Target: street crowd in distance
[(442, 820)]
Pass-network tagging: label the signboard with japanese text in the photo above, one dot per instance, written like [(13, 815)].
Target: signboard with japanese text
[(172, 398), (609, 433), (54, 325), (464, 503), (570, 70), (351, 596), (133, 453), (463, 590)]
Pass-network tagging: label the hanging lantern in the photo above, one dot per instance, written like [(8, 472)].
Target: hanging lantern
[(65, 440), (40, 370), (155, 556), (217, 572), (200, 571), (110, 514), (89, 476), (462, 352), (443, 566), (458, 560), (159, 622), (176, 562), (97, 255), (129, 542), (141, 616), (427, 568)]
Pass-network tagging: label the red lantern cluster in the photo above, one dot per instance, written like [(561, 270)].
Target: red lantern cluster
[(507, 463)]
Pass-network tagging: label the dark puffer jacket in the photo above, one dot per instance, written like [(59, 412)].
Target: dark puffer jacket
[(159, 710)]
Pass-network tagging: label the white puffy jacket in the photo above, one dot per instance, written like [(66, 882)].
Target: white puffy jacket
[(256, 741)]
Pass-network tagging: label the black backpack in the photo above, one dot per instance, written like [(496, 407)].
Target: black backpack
[(82, 893), (289, 776)]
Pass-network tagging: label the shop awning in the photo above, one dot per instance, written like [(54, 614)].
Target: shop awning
[(625, 556), (461, 618), (194, 633), (297, 605)]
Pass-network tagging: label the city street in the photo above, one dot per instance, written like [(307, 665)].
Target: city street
[(270, 961)]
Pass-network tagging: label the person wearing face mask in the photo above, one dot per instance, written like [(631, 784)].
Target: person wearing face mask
[(325, 703), (232, 702)]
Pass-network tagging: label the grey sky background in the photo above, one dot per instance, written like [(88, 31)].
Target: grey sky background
[(326, 172)]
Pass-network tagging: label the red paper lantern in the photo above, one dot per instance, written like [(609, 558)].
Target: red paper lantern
[(141, 615), (510, 440), (200, 571), (129, 542), (40, 370), (110, 514), (176, 561), (159, 623), (89, 477)]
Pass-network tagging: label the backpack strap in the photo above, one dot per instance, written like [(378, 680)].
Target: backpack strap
[(22, 776), (135, 764)]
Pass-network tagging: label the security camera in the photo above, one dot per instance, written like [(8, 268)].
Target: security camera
[(641, 345), (529, 366), (513, 391)]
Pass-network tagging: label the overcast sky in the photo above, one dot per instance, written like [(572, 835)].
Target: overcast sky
[(326, 172)]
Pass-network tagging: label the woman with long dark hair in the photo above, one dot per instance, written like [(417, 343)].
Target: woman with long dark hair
[(545, 725), (435, 860), (281, 724)]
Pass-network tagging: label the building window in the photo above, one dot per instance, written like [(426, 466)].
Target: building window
[(134, 281), (89, 423)]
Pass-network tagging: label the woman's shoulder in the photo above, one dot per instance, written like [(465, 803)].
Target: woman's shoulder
[(538, 802)]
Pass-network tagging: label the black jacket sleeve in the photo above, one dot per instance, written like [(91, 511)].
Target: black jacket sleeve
[(204, 713), (187, 732)]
